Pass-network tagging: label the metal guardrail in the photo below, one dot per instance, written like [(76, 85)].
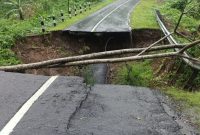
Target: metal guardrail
[(173, 41)]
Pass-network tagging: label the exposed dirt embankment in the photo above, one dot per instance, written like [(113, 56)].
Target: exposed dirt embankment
[(63, 44), (144, 37), (45, 47)]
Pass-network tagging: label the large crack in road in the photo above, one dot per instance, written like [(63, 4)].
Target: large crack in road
[(116, 110), (78, 108)]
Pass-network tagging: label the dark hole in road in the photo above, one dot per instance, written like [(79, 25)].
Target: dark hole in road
[(98, 42), (62, 44), (97, 73)]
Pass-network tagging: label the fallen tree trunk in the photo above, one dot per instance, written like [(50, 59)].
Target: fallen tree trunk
[(89, 58), (116, 60), (60, 61), (149, 47)]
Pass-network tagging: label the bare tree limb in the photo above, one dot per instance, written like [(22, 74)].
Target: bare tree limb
[(154, 44), (180, 34), (189, 58), (188, 46), (117, 60), (125, 59), (90, 58), (83, 57)]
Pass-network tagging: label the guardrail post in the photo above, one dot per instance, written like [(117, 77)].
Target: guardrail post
[(42, 24), (62, 16), (54, 20), (89, 5), (85, 7), (75, 13), (80, 9), (70, 13)]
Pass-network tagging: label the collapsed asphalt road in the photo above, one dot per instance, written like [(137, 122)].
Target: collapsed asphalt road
[(112, 18), (67, 106)]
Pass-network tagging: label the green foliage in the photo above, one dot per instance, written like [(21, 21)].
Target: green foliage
[(15, 7), (73, 20), (137, 74), (190, 22), (88, 76), (179, 4), (141, 18), (193, 99), (192, 6), (13, 29), (7, 57), (183, 77), (172, 14), (190, 101)]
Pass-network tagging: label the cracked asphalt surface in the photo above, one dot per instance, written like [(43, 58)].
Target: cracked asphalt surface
[(68, 107), (122, 110), (15, 89)]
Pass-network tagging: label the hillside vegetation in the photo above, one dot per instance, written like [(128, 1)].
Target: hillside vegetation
[(19, 18)]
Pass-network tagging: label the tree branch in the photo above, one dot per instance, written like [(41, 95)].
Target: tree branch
[(117, 60), (90, 58), (154, 44), (83, 57), (188, 46)]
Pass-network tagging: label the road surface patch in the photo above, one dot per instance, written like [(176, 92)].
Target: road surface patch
[(23, 110), (52, 112), (117, 110), (15, 90)]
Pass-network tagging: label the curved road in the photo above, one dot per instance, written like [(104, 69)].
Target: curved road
[(112, 18)]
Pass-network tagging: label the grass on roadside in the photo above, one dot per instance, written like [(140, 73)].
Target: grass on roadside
[(189, 100), (79, 17), (135, 74), (143, 15)]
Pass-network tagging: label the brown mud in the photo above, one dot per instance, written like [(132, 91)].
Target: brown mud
[(62, 44)]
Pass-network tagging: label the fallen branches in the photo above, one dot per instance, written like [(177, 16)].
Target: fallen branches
[(117, 60), (189, 46), (83, 57), (90, 58), (149, 47)]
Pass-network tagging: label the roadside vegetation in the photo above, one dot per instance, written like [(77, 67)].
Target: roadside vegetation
[(73, 20), (20, 18), (136, 74), (189, 103), (163, 73), (143, 16)]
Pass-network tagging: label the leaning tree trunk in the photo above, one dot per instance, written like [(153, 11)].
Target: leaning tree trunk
[(21, 16)]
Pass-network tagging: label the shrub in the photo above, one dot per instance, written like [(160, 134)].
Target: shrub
[(138, 74)]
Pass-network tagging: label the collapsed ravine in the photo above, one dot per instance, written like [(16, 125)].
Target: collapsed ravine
[(62, 44)]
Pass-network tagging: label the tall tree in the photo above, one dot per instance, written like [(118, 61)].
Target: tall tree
[(16, 7)]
